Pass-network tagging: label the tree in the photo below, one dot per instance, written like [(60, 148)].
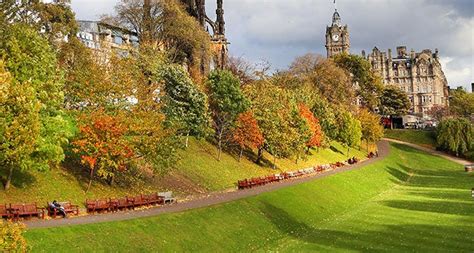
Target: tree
[(323, 110), (462, 103), (332, 82), (226, 102), (439, 112), (167, 23), (394, 102), (372, 130), (242, 69), (185, 106), (369, 85), (102, 145), (32, 63), (247, 133), (350, 130), (11, 237), (19, 125), (317, 136), (455, 135)]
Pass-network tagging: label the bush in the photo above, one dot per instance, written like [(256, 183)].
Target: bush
[(11, 237), (456, 136)]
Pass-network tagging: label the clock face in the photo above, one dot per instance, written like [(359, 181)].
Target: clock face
[(335, 37)]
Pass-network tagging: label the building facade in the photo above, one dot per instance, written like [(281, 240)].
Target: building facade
[(419, 74), (337, 37)]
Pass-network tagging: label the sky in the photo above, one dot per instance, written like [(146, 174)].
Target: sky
[(277, 31)]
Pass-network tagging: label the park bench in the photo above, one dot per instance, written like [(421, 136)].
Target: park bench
[(5, 212), (243, 184), (68, 208), (155, 199), (98, 206), (120, 204), (469, 168), (139, 200), (167, 197), (26, 210)]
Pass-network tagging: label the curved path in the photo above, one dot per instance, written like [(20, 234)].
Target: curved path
[(431, 151), (209, 200)]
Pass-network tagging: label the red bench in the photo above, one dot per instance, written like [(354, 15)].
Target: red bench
[(68, 208), (139, 200), (26, 210), (100, 205), (155, 199), (243, 184), (5, 212)]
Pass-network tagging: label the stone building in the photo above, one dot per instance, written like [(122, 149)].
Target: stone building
[(419, 74), (216, 29), (337, 37)]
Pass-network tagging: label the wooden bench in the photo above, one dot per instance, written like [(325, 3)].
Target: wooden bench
[(155, 199), (68, 209), (26, 210), (243, 184), (139, 200), (469, 168), (5, 212), (98, 206)]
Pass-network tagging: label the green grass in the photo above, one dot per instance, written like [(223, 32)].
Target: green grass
[(419, 137), (409, 202), (197, 171)]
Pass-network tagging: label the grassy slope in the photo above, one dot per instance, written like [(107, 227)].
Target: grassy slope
[(420, 137), (198, 166), (408, 202)]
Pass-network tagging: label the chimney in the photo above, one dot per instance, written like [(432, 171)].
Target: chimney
[(472, 87), (401, 51)]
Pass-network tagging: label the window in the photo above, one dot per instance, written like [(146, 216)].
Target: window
[(118, 40)]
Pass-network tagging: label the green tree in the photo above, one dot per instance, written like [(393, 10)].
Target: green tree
[(185, 105), (369, 85), (394, 102), (32, 62), (226, 102), (325, 112), (19, 125), (372, 129), (455, 135), (461, 103), (350, 130)]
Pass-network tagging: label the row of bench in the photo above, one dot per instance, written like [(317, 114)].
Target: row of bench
[(259, 181), (128, 203), (17, 211)]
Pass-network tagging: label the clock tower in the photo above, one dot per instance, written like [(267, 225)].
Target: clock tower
[(337, 37)]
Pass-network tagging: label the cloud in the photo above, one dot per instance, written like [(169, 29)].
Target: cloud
[(280, 30)]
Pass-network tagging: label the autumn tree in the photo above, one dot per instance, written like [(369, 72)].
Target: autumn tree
[(102, 145), (317, 136), (369, 86), (185, 106), (11, 237), (372, 129), (226, 102), (439, 112), (325, 112), (247, 133), (394, 102), (19, 125), (241, 68)]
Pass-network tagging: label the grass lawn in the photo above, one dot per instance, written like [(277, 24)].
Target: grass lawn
[(419, 137), (409, 202), (198, 171)]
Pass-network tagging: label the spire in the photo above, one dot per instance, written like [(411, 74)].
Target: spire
[(220, 23), (336, 18)]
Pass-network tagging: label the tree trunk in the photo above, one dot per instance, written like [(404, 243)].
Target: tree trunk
[(91, 177), (241, 152), (187, 141), (219, 145), (391, 122), (259, 155), (274, 162), (9, 178), (348, 150)]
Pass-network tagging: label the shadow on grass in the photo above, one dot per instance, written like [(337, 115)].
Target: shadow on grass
[(441, 207), (334, 149), (372, 235), (22, 179)]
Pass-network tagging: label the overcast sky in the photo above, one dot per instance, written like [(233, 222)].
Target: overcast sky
[(279, 30)]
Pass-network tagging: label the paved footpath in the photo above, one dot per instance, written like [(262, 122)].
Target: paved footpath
[(432, 151), (206, 201)]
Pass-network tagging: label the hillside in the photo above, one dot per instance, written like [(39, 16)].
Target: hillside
[(197, 172), (419, 137), (410, 201)]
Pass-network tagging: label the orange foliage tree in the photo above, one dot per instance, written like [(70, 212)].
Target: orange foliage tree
[(247, 133), (102, 145), (317, 137)]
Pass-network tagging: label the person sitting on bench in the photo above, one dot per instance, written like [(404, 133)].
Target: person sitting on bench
[(56, 206)]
